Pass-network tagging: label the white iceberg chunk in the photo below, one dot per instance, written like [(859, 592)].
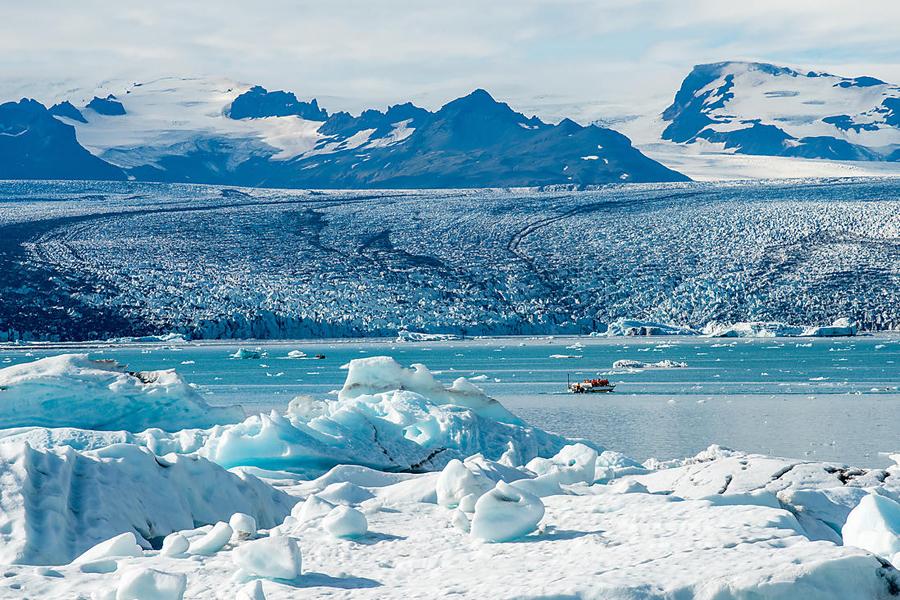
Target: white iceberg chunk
[(456, 482), (296, 354), (252, 590), (751, 329), (71, 390), (612, 464), (540, 486), (633, 327), (247, 354), (276, 557), (122, 545), (575, 463), (467, 503), (150, 584), (174, 544), (627, 363), (213, 541), (840, 328), (312, 508), (243, 525), (345, 493), (506, 513), (345, 522), (874, 525), (379, 374), (405, 335), (460, 520)]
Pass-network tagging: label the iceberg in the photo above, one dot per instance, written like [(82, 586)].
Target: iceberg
[(345, 522), (840, 328), (506, 513), (633, 327), (385, 416), (247, 354), (151, 584), (415, 336), (59, 502), (457, 482), (751, 329), (874, 525), (626, 363), (71, 390)]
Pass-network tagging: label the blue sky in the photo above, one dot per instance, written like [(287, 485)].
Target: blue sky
[(562, 57)]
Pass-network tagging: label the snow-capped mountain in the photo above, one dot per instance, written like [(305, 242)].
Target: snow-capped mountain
[(216, 131), (35, 145), (763, 109)]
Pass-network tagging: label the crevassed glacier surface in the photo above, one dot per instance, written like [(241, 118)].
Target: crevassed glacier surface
[(99, 260)]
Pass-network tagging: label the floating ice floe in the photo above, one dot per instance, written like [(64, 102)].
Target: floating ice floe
[(416, 336), (840, 328), (168, 338), (752, 329), (71, 390), (345, 522), (632, 327), (763, 329), (627, 363), (248, 354), (296, 354)]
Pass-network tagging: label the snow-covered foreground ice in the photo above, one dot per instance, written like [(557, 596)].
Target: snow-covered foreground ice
[(587, 541), (534, 516)]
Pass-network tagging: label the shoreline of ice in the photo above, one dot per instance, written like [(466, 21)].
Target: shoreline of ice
[(400, 484), (748, 330)]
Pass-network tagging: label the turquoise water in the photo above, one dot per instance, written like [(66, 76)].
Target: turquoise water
[(821, 399)]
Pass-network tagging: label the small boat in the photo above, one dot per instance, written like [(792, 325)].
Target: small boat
[(591, 386), (319, 356)]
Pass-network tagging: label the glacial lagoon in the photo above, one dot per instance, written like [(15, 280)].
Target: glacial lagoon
[(835, 399)]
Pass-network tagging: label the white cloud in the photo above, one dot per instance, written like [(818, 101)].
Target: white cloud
[(546, 55)]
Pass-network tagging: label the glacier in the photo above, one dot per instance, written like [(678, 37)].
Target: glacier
[(107, 260)]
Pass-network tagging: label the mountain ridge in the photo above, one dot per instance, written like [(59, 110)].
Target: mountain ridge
[(765, 109), (177, 130)]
